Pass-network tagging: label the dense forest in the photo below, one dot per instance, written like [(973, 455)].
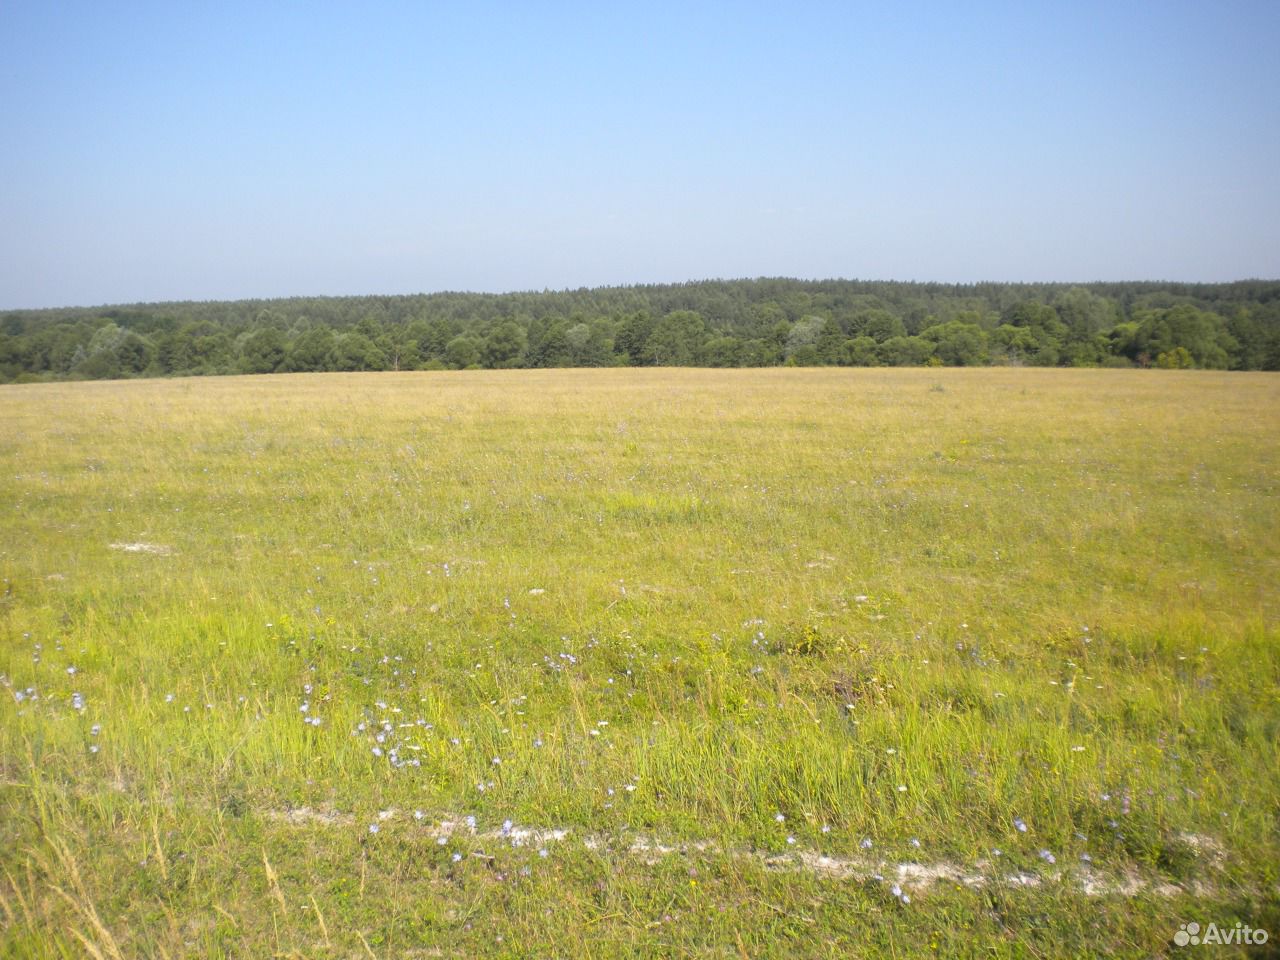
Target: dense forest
[(736, 323)]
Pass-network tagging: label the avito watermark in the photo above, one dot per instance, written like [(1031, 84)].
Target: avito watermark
[(1194, 935)]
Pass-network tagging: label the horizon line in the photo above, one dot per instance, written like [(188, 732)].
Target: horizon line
[(624, 286)]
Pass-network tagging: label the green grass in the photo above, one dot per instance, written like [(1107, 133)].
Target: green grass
[(909, 605)]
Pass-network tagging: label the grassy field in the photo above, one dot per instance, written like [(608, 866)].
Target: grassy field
[(796, 663)]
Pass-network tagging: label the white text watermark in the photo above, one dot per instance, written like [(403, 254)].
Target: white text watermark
[(1194, 935)]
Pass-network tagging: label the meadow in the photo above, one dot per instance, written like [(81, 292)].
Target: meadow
[(623, 663)]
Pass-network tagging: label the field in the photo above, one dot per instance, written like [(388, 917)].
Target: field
[(795, 663)]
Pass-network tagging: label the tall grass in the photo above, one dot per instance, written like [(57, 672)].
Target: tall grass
[(677, 604)]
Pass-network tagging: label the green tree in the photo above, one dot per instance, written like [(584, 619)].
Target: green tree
[(435, 340), (551, 348), (1036, 316), (957, 343), (355, 351), (1016, 344), (760, 353), (597, 349), (831, 345), (1250, 337), (879, 325), (1179, 358), (175, 352), (722, 352), (1202, 333), (311, 351), (101, 365), (633, 338), (1085, 313), (505, 345), (862, 352), (134, 353), (802, 340), (262, 351), (462, 352), (677, 339), (905, 351)]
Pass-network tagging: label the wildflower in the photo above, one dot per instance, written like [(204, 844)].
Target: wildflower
[(1018, 822), (93, 748), (456, 857), (470, 822), (826, 828), (417, 814), (506, 827), (791, 841), (915, 843), (441, 841), (1048, 857), (95, 729), (866, 843), (779, 818), (902, 788), (374, 828), (543, 853), (168, 698)]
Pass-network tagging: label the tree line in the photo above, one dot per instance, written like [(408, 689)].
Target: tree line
[(737, 323)]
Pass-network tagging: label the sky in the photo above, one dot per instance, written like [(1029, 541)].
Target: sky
[(183, 151)]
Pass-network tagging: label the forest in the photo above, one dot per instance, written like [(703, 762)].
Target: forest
[(732, 323)]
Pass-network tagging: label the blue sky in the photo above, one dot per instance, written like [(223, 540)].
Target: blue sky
[(208, 151)]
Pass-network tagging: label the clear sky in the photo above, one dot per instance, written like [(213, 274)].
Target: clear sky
[(179, 150)]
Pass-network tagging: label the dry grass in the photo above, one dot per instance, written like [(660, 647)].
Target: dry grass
[(907, 605)]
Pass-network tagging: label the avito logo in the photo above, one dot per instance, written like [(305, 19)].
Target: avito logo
[(1193, 935)]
